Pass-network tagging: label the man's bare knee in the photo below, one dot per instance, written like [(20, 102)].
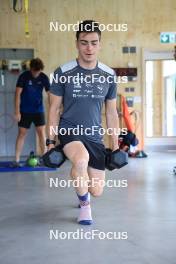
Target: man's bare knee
[(80, 164), (22, 133), (40, 131)]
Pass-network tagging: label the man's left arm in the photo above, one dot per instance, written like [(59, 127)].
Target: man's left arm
[(48, 97), (47, 88), (112, 121)]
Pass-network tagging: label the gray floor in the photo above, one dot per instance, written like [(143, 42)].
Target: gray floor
[(146, 210)]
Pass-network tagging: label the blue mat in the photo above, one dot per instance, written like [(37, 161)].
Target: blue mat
[(5, 167)]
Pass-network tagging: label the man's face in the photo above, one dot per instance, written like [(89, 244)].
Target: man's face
[(88, 46), (35, 73)]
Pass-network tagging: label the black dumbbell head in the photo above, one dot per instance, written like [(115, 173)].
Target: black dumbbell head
[(54, 158), (116, 159), (119, 159)]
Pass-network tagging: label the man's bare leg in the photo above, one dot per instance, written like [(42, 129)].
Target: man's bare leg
[(22, 132), (97, 181), (79, 157), (42, 138)]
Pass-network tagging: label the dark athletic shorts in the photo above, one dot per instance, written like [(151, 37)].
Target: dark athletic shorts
[(28, 118), (96, 150)]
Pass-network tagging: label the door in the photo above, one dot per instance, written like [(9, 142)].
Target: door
[(170, 106), (160, 101)]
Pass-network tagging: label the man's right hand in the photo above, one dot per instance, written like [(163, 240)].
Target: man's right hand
[(17, 117), (50, 147)]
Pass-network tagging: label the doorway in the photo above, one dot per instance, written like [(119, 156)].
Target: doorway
[(160, 99), (8, 126)]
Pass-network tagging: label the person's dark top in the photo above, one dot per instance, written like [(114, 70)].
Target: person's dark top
[(82, 102), (32, 93)]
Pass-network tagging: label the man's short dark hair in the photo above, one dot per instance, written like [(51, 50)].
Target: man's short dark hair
[(88, 26), (36, 64)]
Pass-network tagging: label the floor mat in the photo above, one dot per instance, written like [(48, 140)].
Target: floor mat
[(5, 167)]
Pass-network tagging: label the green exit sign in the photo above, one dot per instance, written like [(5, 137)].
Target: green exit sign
[(168, 37)]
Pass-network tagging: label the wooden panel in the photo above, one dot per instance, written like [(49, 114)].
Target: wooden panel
[(145, 20)]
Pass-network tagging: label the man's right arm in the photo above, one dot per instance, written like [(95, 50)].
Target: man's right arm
[(53, 116), (17, 103)]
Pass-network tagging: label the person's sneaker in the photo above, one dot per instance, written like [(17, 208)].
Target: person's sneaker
[(40, 162), (174, 170), (15, 164)]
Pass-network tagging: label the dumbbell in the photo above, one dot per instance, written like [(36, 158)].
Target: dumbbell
[(54, 158), (174, 170), (115, 159)]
